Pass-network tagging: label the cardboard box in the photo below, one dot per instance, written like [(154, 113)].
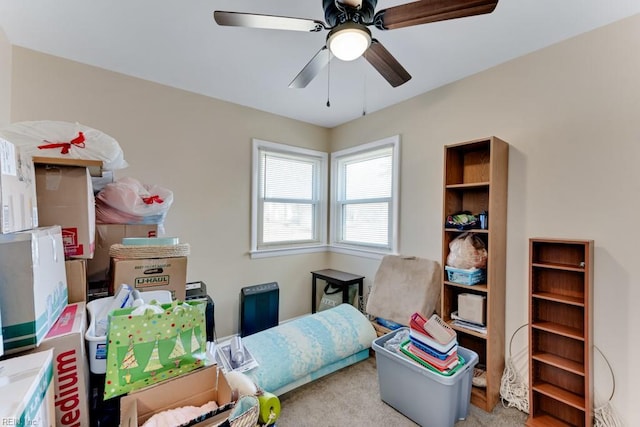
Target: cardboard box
[(195, 388), (33, 285), (107, 235), (26, 390), (472, 307), (65, 198), (19, 204), (76, 279), (94, 166), (70, 366), (151, 275)]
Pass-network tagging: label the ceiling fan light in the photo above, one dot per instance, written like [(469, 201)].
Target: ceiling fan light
[(349, 43)]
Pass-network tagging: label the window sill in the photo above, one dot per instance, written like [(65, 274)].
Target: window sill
[(268, 253), (364, 253)]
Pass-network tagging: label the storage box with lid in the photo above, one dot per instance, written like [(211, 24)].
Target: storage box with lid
[(426, 397), (33, 285)]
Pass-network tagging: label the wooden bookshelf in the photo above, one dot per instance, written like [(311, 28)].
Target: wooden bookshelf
[(475, 180), (560, 332)]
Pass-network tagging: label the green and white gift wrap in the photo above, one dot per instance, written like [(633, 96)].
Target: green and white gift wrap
[(149, 348)]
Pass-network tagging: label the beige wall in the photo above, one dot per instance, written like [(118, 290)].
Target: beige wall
[(569, 112), (5, 79), (571, 115), (197, 147)]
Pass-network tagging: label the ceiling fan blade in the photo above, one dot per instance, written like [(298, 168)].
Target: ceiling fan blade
[(271, 22), (386, 64), (425, 11), (312, 69)]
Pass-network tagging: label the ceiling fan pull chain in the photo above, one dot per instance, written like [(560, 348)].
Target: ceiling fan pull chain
[(328, 78), (364, 91)]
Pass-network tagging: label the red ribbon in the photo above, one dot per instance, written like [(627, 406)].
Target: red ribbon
[(77, 141), (152, 199)]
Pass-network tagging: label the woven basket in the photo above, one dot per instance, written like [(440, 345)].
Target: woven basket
[(250, 417), (151, 251)]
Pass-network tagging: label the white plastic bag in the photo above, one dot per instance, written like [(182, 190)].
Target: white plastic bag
[(59, 139), (467, 251), (134, 199)]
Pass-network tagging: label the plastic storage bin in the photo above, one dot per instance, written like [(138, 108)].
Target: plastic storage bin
[(428, 398), (97, 346), (463, 276)]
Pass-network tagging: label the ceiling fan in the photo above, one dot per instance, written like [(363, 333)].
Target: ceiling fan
[(349, 38)]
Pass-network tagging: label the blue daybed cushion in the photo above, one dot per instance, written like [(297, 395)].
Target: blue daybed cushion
[(300, 350)]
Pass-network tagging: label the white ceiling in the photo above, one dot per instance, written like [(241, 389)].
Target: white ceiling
[(177, 43)]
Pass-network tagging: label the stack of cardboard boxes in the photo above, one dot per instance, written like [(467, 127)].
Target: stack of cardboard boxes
[(33, 294), (54, 258), (47, 238)]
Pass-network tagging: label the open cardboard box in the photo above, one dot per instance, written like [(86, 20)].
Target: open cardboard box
[(192, 389)]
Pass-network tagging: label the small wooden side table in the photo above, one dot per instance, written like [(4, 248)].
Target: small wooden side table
[(337, 278)]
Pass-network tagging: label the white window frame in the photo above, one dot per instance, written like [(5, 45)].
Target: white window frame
[(336, 203), (319, 243)]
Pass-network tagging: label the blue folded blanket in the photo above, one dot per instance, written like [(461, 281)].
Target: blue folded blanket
[(299, 348)]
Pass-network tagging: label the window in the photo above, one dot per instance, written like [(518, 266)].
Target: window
[(289, 199), (364, 198)]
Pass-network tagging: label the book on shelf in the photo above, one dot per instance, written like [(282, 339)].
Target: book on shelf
[(470, 326), (463, 323)]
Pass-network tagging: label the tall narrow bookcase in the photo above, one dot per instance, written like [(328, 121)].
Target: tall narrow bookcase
[(475, 180), (560, 332)]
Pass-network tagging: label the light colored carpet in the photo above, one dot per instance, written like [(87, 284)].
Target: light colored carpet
[(351, 397)]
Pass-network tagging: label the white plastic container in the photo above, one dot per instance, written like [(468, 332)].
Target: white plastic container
[(98, 345), (428, 398)]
